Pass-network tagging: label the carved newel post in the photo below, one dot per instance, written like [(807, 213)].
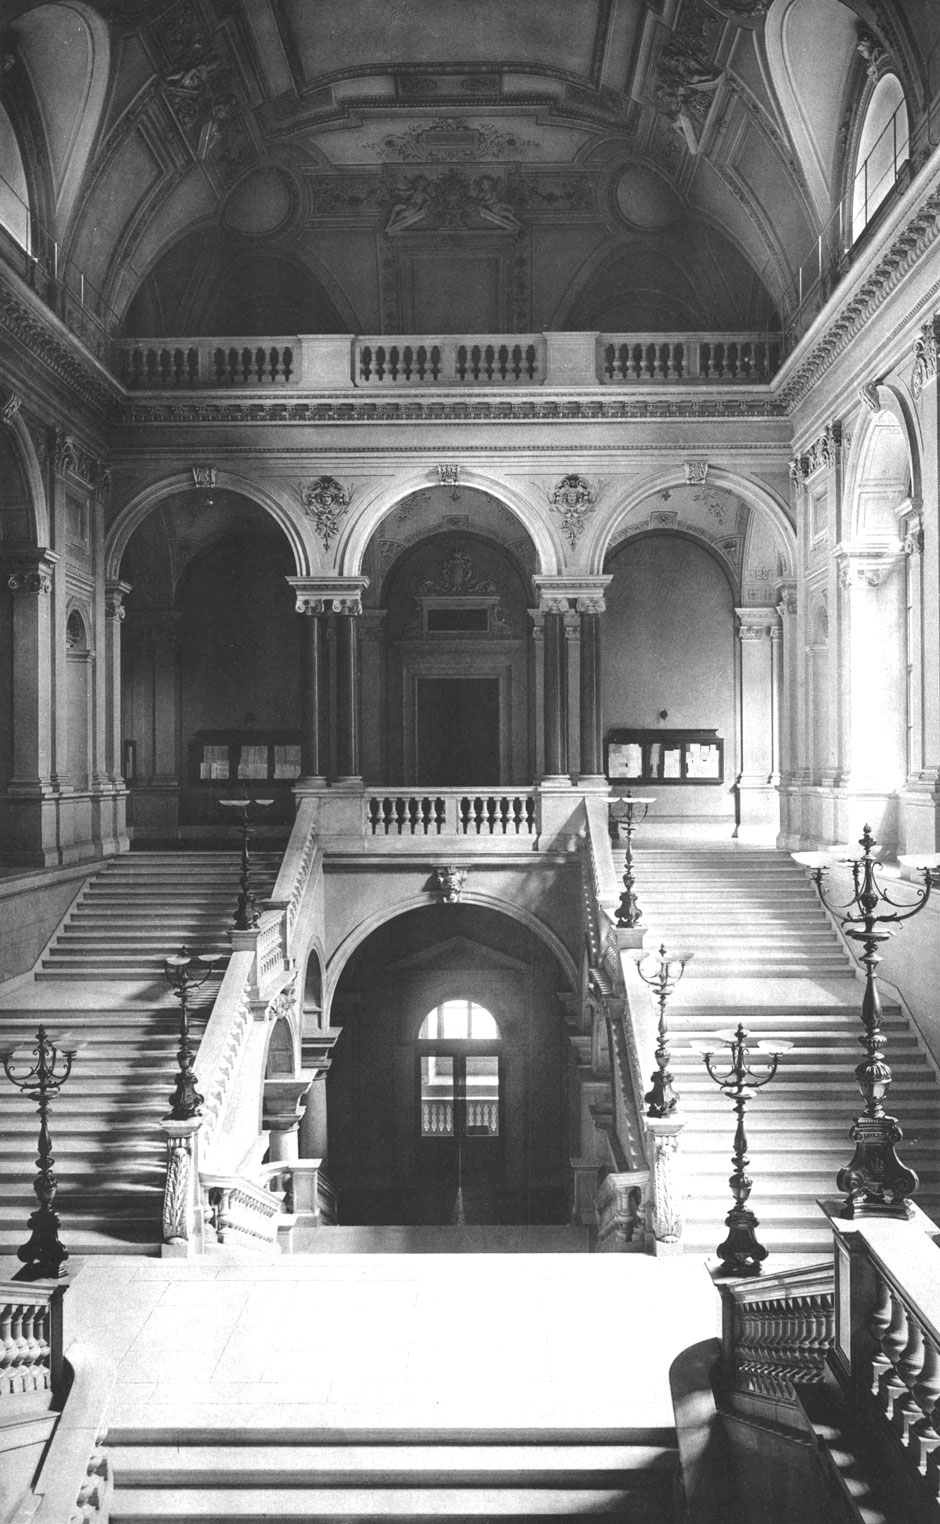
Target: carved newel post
[(182, 1225)]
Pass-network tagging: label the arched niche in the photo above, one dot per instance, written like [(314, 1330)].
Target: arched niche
[(668, 657), (455, 652), (384, 1164), (280, 1058), (312, 993), (211, 686), (79, 695), (881, 478)]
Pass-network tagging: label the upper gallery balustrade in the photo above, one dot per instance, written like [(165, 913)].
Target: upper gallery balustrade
[(395, 363)]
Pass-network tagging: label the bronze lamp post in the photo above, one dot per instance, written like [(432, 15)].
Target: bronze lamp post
[(185, 973), (875, 1181), (740, 1253), (662, 976), (247, 911), (629, 816), (41, 1077)]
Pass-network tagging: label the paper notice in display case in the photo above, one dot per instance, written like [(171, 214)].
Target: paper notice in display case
[(625, 760)]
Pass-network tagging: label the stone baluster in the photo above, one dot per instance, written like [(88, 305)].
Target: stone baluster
[(893, 1344), (924, 1436), (880, 1323), (905, 1409)]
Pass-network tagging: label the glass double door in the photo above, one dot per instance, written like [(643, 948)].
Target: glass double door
[(459, 1148)]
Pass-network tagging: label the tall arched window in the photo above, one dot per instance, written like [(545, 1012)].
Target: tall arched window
[(458, 1072), (14, 193), (883, 148)]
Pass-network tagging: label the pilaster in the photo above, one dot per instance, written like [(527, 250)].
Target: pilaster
[(758, 803), (32, 794)]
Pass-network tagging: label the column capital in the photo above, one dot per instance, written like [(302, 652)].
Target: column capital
[(114, 595), (328, 595), (557, 594), (31, 571), (757, 623), (787, 602), (867, 565)]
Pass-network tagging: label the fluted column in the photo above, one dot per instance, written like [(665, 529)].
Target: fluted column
[(338, 695), (873, 685), (758, 802), (348, 767), (31, 795), (592, 746), (115, 593), (312, 757), (555, 648)]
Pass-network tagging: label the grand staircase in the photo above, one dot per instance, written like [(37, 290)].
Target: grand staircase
[(101, 980), (254, 1475), (765, 955)]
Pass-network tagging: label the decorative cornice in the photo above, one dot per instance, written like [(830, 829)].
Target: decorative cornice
[(530, 409), (36, 336), (905, 252), (821, 454)]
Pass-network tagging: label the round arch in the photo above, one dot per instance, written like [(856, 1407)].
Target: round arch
[(136, 510), (311, 989), (761, 499), (351, 546), (644, 532), (24, 452), (341, 955)]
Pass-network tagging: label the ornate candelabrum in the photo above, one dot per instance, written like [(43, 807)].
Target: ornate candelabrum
[(41, 1077), (247, 913), (662, 976), (629, 816), (740, 1253), (876, 1182), (185, 973)]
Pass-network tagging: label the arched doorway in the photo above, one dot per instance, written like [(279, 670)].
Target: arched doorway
[(461, 1125), (211, 676), (447, 649), (450, 1073)]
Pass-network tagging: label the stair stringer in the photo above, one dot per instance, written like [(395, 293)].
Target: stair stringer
[(84, 888)]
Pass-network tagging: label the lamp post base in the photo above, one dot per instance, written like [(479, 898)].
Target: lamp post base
[(43, 1255), (876, 1183), (741, 1254)]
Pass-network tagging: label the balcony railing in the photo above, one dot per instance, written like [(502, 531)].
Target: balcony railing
[(392, 364)]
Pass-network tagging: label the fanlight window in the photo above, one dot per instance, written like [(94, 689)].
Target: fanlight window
[(459, 1021), (884, 147)]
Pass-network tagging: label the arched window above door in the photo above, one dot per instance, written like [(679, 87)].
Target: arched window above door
[(459, 1020), (883, 148)]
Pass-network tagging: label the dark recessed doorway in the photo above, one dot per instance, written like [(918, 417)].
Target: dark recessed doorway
[(458, 732)]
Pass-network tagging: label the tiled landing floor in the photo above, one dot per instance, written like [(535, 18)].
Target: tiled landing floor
[(388, 1340)]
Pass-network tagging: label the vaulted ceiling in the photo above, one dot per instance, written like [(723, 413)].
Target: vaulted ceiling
[(395, 166)]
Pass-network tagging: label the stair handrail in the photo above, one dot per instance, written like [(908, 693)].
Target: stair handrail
[(74, 1480), (644, 1143)]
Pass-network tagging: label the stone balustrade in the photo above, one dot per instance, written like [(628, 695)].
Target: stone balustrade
[(30, 1339), (887, 1348), (450, 812), (386, 363)]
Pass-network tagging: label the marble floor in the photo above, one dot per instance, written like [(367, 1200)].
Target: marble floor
[(392, 1340)]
